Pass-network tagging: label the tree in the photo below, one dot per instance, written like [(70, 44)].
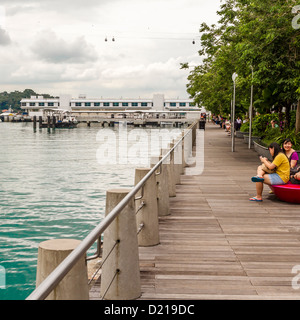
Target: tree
[(270, 43), (249, 33), (12, 99)]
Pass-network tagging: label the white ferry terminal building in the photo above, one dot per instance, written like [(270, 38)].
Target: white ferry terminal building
[(36, 105)]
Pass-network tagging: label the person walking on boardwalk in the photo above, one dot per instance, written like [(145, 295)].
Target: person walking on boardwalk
[(281, 175)]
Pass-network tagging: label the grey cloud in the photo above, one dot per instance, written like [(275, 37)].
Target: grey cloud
[(57, 5), (4, 38), (15, 9), (52, 49)]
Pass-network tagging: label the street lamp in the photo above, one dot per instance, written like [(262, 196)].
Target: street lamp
[(251, 111), (234, 76)]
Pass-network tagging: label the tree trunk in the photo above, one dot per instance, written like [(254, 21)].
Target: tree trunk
[(298, 118), (287, 115), (280, 116)]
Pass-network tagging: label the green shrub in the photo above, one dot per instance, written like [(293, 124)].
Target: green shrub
[(292, 120), (245, 127), (263, 122), (261, 126), (271, 133), (289, 134)]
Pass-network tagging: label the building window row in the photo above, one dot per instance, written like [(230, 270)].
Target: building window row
[(40, 104), (109, 104), (182, 104), (106, 104)]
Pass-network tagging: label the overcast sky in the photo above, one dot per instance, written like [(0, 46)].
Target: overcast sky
[(59, 47)]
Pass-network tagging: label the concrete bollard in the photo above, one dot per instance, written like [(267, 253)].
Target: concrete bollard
[(177, 162), (179, 156), (120, 279), (183, 154), (74, 286), (162, 180), (187, 149), (170, 167), (148, 214)]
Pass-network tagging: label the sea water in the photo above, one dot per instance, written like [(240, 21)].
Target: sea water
[(52, 186)]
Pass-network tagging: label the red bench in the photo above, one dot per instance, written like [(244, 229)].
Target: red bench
[(287, 192)]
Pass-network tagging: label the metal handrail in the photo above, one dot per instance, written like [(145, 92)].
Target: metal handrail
[(50, 283)]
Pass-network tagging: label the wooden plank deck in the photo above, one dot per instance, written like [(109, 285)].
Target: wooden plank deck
[(216, 244)]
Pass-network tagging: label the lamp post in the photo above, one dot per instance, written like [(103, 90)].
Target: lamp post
[(250, 111), (234, 76)]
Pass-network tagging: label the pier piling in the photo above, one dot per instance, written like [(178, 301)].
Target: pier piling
[(53, 122), (40, 122), (34, 123)]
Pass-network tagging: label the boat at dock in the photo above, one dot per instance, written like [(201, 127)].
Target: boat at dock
[(56, 118)]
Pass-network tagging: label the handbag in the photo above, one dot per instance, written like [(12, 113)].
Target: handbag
[(294, 181), (295, 170)]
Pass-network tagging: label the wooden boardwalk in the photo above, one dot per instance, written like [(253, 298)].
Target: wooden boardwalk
[(216, 244)]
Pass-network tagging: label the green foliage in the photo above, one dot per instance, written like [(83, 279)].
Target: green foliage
[(250, 34), (12, 99), (245, 127), (271, 134), (262, 123), (292, 123), (262, 127), (289, 134)]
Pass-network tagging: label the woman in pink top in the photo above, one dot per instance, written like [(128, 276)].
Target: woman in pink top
[(291, 154)]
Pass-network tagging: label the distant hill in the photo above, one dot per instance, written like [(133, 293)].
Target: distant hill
[(12, 99)]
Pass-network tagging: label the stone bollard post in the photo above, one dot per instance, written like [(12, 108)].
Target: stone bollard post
[(187, 148), (120, 279), (170, 167), (181, 156), (148, 213), (74, 286), (162, 181), (177, 161), (183, 165), (193, 134)]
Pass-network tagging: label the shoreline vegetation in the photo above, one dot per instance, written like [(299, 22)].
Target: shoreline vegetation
[(12, 100)]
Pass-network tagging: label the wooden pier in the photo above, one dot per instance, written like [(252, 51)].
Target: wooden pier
[(216, 244), (52, 122)]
